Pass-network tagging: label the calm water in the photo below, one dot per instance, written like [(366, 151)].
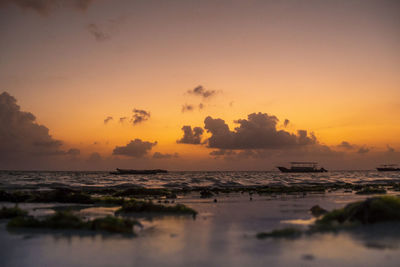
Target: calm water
[(38, 180)]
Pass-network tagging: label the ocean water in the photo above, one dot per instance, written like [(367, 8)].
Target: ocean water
[(79, 179)]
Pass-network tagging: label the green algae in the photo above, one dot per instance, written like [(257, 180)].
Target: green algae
[(136, 206), (7, 213), (317, 211), (372, 210), (371, 191), (68, 220), (138, 192), (206, 194), (288, 233)]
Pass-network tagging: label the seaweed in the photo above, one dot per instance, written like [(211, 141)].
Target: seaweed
[(7, 213), (145, 192), (136, 206), (371, 191), (317, 211), (68, 220), (372, 210), (206, 194), (113, 225), (288, 233)]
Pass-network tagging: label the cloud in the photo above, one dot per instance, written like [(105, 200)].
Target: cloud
[(74, 152), (187, 107), (44, 7), (22, 139), (363, 150), (108, 119), (191, 136), (136, 148), (98, 33), (158, 155), (346, 145), (257, 132), (201, 106), (122, 119), (286, 123), (201, 91), (390, 149), (140, 116), (222, 152)]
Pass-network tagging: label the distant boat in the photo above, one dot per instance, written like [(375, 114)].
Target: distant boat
[(130, 171), (388, 168), (302, 167)]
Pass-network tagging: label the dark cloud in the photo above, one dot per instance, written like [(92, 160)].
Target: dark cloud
[(158, 155), (44, 7), (346, 145), (390, 149), (98, 33), (191, 136), (22, 139), (187, 107), (74, 152), (122, 119), (201, 106), (140, 116), (257, 132), (201, 91), (136, 148), (222, 152), (286, 123), (108, 119), (363, 150)]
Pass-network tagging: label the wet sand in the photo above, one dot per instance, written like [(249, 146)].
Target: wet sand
[(222, 234)]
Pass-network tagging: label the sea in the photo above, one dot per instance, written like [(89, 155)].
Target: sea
[(37, 180)]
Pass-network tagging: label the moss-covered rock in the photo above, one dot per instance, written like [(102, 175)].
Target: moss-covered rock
[(317, 211), (372, 210), (281, 233), (371, 191), (113, 225), (7, 213), (136, 206)]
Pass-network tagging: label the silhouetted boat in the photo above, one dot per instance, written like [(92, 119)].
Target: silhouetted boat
[(302, 167), (388, 168), (129, 171)]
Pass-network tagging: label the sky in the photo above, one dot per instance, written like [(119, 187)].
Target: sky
[(198, 85)]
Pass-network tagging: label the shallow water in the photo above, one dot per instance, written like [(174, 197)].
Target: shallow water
[(41, 180), (223, 234)]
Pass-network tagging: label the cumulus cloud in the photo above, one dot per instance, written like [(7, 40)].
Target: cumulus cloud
[(363, 150), (21, 137), (140, 116), (191, 136), (108, 119), (346, 145), (98, 33), (159, 155), (187, 107), (136, 148), (201, 91), (44, 7), (258, 131)]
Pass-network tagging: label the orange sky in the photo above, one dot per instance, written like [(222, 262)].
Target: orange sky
[(330, 67)]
